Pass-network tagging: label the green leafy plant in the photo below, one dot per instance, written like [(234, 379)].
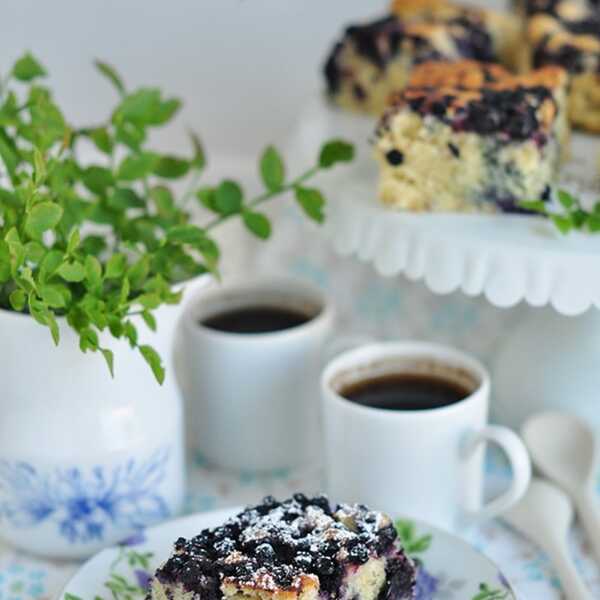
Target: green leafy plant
[(100, 242), (412, 543), (571, 214)]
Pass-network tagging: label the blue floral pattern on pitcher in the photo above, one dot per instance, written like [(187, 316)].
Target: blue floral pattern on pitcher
[(83, 503)]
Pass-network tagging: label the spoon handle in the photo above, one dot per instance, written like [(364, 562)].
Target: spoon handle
[(570, 580), (589, 513)]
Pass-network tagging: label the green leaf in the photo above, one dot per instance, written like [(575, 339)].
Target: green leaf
[(421, 544), (40, 312), (130, 333), (166, 111), (137, 166), (93, 272), (111, 74), (538, 206), (149, 301), (43, 216), (73, 242), (88, 339), (199, 158), (312, 202), (123, 199), (110, 360), (143, 107), (125, 291), (93, 244), (228, 199), (593, 223), (258, 224), (5, 271), (39, 164), (47, 122), (138, 272), (28, 68), (116, 265), (18, 299), (102, 140), (149, 320), (171, 167), (153, 359), (335, 151), (186, 234), (50, 263), (9, 111), (578, 217), (164, 201), (68, 596), (34, 252), (272, 169), (9, 153), (72, 271), (52, 296), (208, 198), (566, 199), (564, 224), (130, 135), (405, 530), (97, 179)]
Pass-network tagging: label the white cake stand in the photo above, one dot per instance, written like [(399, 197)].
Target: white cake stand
[(551, 360)]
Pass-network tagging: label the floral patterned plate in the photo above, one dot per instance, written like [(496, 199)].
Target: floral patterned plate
[(449, 569)]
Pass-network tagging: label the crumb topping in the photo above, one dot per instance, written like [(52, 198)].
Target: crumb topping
[(485, 99), (565, 33), (282, 545), (382, 41)]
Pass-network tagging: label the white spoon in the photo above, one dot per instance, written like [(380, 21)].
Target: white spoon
[(565, 450), (544, 515)]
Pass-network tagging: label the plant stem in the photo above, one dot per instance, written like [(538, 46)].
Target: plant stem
[(266, 196), (191, 189)]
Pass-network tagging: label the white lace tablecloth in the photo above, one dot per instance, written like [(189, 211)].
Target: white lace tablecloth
[(24, 577)]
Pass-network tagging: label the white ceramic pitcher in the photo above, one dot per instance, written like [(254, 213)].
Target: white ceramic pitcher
[(85, 460)]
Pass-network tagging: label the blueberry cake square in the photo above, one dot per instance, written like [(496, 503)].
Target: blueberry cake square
[(567, 33), (301, 548), (471, 137), (374, 59)]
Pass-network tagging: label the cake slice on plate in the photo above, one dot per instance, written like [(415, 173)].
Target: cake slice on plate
[(374, 59), (302, 548), (472, 137)]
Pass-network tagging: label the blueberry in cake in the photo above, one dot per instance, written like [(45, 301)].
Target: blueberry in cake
[(374, 59), (567, 33), (471, 137), (302, 548)]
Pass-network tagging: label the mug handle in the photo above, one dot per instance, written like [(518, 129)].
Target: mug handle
[(520, 463)]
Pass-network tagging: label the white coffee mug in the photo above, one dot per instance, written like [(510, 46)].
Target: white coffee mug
[(426, 464), (253, 399)]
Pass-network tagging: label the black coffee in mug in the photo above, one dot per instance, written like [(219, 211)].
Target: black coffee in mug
[(256, 319), (405, 391)]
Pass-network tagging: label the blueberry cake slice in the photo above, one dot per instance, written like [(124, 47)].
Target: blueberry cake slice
[(471, 137), (567, 33), (301, 549), (374, 59)]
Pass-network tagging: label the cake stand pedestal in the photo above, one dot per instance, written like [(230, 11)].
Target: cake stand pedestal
[(552, 360)]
